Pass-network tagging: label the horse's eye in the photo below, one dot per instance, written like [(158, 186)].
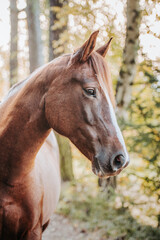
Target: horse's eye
[(91, 91)]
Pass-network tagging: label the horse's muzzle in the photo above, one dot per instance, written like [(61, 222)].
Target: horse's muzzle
[(109, 167)]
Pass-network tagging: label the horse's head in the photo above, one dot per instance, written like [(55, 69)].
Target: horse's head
[(79, 105)]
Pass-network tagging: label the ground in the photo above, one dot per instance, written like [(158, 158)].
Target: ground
[(60, 228)]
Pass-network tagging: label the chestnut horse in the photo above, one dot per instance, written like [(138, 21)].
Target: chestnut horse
[(72, 95)]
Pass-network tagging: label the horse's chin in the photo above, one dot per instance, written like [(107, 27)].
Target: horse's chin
[(104, 175)]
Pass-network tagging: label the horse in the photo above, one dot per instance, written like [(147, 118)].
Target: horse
[(72, 95)]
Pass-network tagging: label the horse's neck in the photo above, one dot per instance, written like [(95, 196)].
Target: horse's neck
[(23, 129)]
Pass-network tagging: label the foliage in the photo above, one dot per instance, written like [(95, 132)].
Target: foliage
[(143, 126), (84, 17), (98, 212)]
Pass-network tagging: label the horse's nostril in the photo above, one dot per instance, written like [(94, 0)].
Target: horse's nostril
[(117, 162)]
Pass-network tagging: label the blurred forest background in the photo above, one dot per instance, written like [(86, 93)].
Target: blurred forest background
[(35, 32)]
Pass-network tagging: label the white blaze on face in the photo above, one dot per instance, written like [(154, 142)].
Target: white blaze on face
[(114, 120)]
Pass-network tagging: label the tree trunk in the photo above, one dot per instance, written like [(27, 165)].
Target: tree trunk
[(13, 40), (64, 145), (55, 34), (65, 158), (34, 31), (128, 68)]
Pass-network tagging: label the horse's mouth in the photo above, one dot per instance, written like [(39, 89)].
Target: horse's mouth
[(98, 171)]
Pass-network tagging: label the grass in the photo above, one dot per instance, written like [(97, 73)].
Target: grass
[(98, 211)]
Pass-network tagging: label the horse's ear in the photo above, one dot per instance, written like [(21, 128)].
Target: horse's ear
[(104, 49), (83, 53)]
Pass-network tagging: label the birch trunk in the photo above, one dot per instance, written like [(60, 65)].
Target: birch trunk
[(128, 68), (55, 34), (34, 31), (64, 145), (14, 44), (127, 72)]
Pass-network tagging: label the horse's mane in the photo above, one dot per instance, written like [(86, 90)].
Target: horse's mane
[(16, 87), (103, 74)]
